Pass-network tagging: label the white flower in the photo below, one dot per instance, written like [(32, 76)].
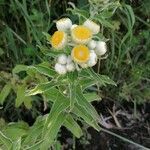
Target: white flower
[(101, 48), (60, 69), (73, 26), (70, 67), (92, 44), (93, 59), (95, 28), (62, 59), (64, 24)]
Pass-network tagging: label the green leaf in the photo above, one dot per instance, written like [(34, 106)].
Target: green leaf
[(35, 131), (86, 82), (35, 146), (131, 13), (52, 130), (81, 100), (72, 95), (101, 79), (73, 126), (17, 144), (16, 130), (41, 88), (60, 105), (86, 116), (103, 21), (19, 68), (44, 69), (7, 142), (28, 102), (21, 97), (5, 92), (90, 97), (107, 80), (49, 52)]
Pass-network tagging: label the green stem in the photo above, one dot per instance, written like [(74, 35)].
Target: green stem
[(124, 139), (74, 143), (135, 109)]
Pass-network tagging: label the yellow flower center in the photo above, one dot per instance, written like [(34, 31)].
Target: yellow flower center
[(57, 38), (81, 33), (80, 53)]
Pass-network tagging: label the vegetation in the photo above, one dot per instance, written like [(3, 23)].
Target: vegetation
[(37, 104)]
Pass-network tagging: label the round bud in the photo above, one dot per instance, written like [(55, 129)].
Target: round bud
[(62, 59), (60, 69), (70, 67), (100, 48), (92, 44)]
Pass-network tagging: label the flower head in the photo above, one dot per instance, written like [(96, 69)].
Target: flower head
[(81, 34), (80, 53), (59, 40), (63, 24), (95, 28)]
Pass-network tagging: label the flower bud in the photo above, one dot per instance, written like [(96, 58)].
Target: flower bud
[(64, 24), (100, 48), (60, 69), (92, 44), (70, 67), (62, 59)]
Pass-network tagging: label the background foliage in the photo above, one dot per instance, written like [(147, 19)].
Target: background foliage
[(124, 25)]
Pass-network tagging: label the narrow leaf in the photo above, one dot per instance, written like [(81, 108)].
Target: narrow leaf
[(73, 126), (4, 93), (19, 68), (41, 88)]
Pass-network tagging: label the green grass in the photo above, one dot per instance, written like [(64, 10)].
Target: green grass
[(125, 26)]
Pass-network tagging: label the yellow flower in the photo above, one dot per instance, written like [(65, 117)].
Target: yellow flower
[(95, 28), (59, 40), (81, 34), (80, 54)]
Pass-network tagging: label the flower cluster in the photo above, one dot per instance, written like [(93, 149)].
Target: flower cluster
[(84, 51)]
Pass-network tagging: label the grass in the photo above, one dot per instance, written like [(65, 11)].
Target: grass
[(124, 25)]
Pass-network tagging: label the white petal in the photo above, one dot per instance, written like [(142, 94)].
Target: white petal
[(64, 24), (62, 59), (95, 28), (69, 59), (101, 48), (60, 69)]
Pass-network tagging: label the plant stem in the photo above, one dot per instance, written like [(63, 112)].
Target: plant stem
[(98, 71), (74, 143), (124, 139), (135, 109)]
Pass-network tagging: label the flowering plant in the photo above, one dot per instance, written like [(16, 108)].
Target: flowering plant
[(67, 82)]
